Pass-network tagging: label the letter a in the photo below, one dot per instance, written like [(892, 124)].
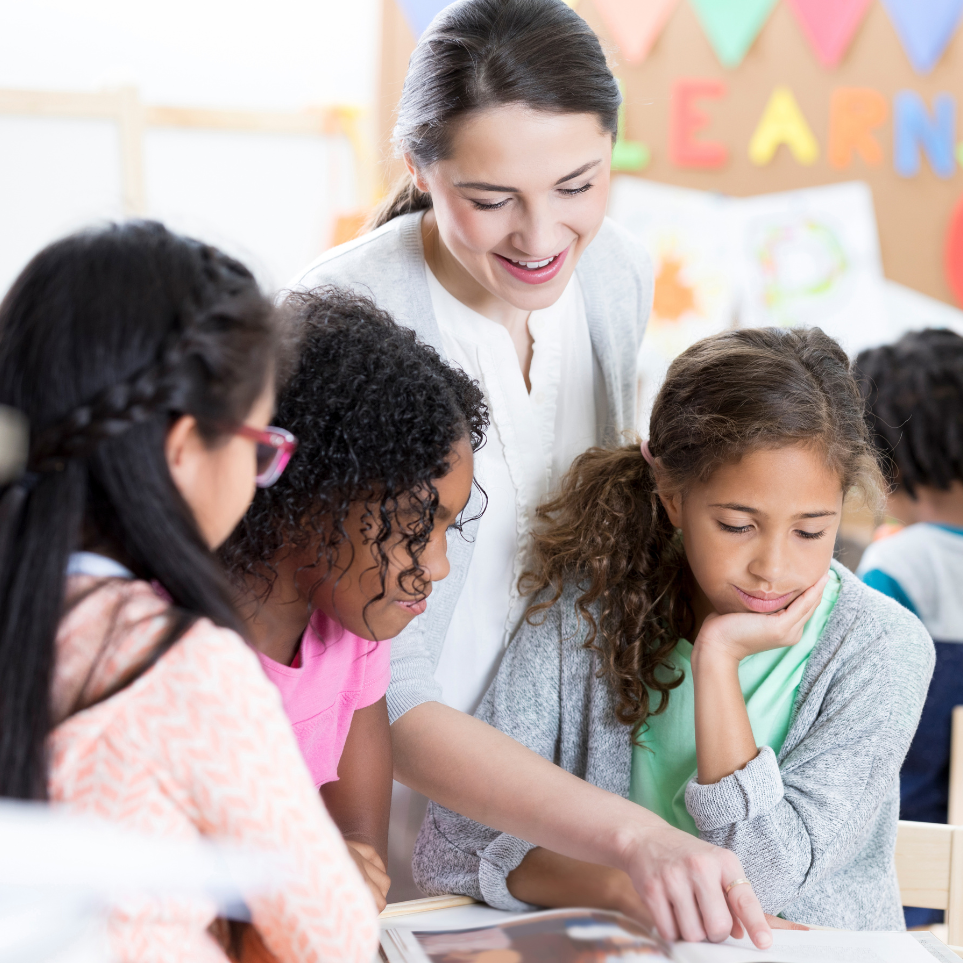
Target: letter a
[(782, 122)]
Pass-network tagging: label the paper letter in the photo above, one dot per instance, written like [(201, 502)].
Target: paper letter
[(783, 123), (853, 113), (686, 120), (914, 128)]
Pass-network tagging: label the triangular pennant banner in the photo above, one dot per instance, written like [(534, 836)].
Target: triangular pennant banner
[(635, 24), (732, 25), (419, 13), (925, 27), (830, 25)]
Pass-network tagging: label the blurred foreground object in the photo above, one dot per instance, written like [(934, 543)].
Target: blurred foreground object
[(60, 875), (14, 443)]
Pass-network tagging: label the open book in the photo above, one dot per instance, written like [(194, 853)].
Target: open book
[(596, 936)]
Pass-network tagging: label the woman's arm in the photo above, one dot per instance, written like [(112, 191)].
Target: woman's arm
[(474, 769), (549, 879), (359, 801)]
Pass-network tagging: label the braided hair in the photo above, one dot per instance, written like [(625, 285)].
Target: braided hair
[(376, 414), (914, 407), (105, 337)]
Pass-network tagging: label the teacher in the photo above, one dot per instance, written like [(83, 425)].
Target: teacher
[(495, 249)]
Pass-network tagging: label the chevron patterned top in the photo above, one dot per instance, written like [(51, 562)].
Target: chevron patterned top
[(199, 745)]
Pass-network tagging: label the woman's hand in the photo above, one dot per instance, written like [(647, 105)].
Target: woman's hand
[(372, 871), (474, 769), (739, 634), (682, 882)]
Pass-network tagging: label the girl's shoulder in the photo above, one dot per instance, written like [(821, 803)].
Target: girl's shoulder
[(111, 629), (866, 621)]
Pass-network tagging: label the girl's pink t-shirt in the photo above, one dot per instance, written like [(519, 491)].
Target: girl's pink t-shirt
[(335, 673)]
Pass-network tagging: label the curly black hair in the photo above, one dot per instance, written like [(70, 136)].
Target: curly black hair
[(914, 407), (376, 413)]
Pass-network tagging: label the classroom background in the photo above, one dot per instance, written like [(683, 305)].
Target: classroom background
[(784, 161)]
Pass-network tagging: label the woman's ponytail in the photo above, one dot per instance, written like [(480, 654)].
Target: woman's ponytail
[(403, 198), (608, 533)]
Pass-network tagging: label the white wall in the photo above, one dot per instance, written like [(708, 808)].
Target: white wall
[(269, 199)]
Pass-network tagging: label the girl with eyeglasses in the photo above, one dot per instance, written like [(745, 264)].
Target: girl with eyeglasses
[(143, 363), (340, 556)]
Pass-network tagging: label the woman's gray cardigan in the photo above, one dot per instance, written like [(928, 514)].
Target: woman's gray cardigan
[(815, 830), (388, 265)]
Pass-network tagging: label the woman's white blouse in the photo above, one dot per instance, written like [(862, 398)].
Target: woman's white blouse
[(531, 443)]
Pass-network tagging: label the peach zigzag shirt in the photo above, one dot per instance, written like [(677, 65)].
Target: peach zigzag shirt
[(199, 745)]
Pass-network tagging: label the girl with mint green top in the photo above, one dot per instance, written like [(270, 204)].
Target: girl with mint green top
[(779, 731)]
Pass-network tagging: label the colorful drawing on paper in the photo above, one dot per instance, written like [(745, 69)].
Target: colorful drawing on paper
[(688, 239), (811, 257), (799, 262)]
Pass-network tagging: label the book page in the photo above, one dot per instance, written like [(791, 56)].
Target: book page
[(795, 946)]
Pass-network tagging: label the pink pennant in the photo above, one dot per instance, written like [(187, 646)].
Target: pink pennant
[(830, 25), (635, 25)]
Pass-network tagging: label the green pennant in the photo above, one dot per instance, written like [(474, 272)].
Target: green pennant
[(732, 25)]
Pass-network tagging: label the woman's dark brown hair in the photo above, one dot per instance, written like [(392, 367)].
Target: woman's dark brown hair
[(486, 53), (607, 530)]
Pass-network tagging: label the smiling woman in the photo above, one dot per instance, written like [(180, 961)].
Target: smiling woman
[(495, 249)]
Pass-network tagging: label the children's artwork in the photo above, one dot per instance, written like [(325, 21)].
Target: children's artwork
[(830, 25), (687, 235), (732, 25), (635, 26), (924, 27), (419, 13), (801, 258), (811, 257)]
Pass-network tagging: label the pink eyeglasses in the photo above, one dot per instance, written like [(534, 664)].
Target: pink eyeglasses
[(275, 446)]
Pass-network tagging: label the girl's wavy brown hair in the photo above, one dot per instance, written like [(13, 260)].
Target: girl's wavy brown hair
[(608, 533)]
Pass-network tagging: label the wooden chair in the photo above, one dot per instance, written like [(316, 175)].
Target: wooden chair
[(955, 815), (929, 867)]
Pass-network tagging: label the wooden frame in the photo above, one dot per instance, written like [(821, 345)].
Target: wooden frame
[(124, 107), (929, 866)]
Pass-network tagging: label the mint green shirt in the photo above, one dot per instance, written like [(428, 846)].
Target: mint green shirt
[(769, 680)]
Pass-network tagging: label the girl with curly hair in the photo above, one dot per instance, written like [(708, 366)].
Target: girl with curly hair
[(693, 646), (340, 555)]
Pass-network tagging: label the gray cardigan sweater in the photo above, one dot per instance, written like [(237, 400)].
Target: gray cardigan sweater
[(388, 265), (815, 829)]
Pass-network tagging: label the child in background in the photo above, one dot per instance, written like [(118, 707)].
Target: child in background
[(144, 363), (341, 554), (914, 394), (778, 731)]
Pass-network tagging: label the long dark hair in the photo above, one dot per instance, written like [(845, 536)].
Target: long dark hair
[(608, 532), (376, 413), (105, 337), (914, 398), (486, 53)]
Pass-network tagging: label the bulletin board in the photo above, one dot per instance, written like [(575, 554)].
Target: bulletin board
[(914, 209)]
